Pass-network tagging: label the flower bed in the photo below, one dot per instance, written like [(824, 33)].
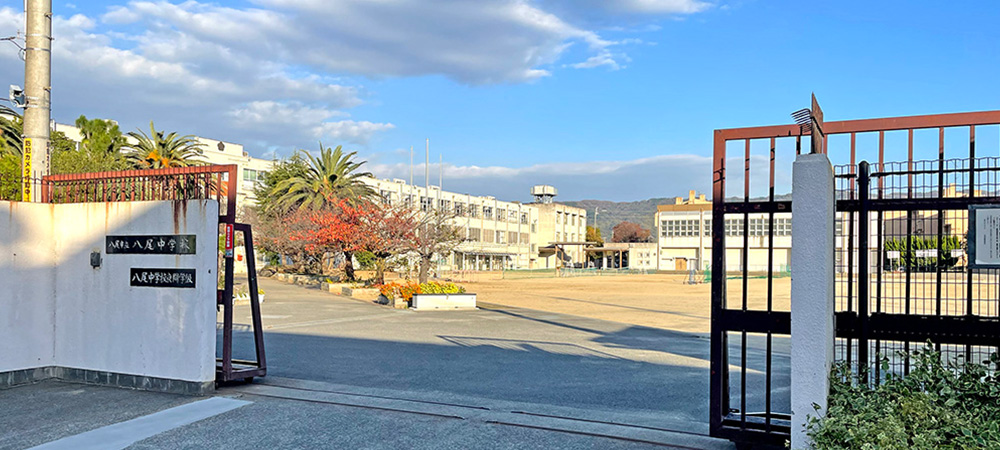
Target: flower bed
[(396, 292)]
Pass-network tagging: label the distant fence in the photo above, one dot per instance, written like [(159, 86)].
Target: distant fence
[(601, 272), (520, 274), (471, 276), (783, 271)]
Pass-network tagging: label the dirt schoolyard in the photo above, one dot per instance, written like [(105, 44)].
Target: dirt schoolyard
[(655, 300)]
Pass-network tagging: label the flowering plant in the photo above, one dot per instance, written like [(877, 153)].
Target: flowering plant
[(405, 291)]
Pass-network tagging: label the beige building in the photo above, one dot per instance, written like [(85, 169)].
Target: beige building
[(684, 238), (565, 231), (626, 255), (251, 170), (500, 234)]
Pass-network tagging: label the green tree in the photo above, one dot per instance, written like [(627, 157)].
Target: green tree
[(10, 176), (283, 169), (594, 235), (333, 175), (11, 129), (99, 135), (158, 150), (99, 149)]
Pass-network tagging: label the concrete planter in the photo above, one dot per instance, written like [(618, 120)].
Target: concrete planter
[(360, 293), (301, 280), (336, 288), (395, 303), (245, 298), (423, 302)]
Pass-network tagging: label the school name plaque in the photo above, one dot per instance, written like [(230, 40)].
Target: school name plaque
[(169, 244), (162, 278)]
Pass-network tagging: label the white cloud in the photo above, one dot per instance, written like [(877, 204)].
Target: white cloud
[(604, 59), (187, 84), (350, 130), (480, 41), (660, 6), (622, 15), (271, 74), (297, 118)]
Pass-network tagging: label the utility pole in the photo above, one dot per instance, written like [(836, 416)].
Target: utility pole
[(37, 90), (411, 166), (427, 167)]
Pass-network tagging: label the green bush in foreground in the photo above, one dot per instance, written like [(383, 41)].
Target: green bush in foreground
[(936, 406)]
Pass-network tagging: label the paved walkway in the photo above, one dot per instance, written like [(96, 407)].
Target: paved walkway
[(351, 374), (53, 416)]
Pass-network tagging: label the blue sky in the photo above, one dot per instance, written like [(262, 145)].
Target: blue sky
[(609, 100)]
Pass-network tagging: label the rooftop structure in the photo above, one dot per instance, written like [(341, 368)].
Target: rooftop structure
[(544, 193)]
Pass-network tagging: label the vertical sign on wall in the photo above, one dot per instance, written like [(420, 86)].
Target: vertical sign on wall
[(26, 171), (229, 240), (984, 236)]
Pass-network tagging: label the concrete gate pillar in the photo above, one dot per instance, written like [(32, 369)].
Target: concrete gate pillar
[(813, 215)]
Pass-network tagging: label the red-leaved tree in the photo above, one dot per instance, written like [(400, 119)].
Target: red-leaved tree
[(277, 234), (383, 230), (629, 232)]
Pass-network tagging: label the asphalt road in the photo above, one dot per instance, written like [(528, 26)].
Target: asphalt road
[(350, 374), (537, 359)]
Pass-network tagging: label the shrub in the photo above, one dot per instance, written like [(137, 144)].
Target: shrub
[(937, 405), (406, 290), (366, 260), (909, 247)]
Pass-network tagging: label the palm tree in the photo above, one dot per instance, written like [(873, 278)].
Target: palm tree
[(332, 175), (100, 136), (158, 150), (11, 129)]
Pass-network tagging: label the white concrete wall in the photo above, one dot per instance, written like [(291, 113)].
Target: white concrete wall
[(812, 290), (91, 318), (27, 300)]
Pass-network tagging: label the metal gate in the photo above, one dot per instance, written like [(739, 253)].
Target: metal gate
[(913, 263), (751, 319)]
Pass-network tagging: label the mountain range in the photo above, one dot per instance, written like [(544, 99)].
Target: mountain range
[(642, 212)]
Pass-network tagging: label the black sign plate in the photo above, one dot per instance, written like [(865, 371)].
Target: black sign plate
[(169, 244), (166, 278)]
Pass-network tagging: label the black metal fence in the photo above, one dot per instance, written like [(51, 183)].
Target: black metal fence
[(903, 272), (911, 295)]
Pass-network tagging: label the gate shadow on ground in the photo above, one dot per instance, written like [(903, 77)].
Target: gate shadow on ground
[(675, 384)]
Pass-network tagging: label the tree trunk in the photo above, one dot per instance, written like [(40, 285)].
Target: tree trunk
[(425, 266), (380, 264), (349, 266)]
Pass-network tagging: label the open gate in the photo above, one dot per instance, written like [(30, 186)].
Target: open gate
[(878, 310), (216, 182)]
